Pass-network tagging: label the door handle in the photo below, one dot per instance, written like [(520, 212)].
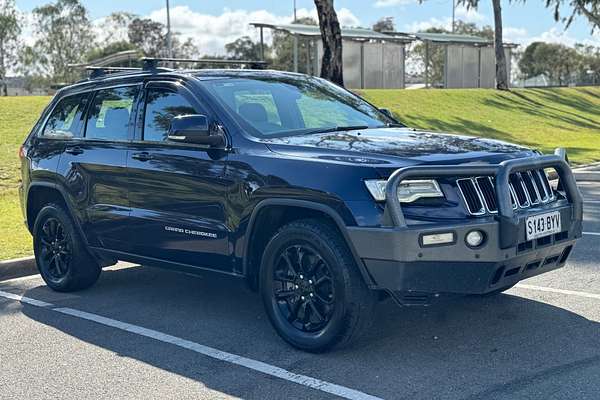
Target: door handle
[(143, 156), (74, 150)]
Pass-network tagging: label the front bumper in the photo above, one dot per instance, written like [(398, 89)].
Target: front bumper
[(396, 261)]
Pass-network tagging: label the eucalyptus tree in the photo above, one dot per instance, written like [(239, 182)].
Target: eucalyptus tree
[(331, 35), (10, 30), (64, 36)]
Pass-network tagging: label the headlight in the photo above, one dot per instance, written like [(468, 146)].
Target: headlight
[(408, 190)]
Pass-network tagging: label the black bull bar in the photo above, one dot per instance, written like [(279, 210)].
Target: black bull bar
[(506, 217)]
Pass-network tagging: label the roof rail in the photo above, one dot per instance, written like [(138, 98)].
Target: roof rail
[(151, 63)]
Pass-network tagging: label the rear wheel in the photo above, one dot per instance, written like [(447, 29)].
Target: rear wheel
[(61, 256), (311, 288)]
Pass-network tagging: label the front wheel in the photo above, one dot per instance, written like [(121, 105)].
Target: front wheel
[(61, 256), (311, 288)]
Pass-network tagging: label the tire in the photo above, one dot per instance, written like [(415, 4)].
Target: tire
[(311, 288), (60, 253)]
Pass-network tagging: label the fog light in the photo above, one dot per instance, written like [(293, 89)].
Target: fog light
[(475, 238), (437, 239)]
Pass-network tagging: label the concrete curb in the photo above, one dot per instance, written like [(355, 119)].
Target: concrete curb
[(587, 176), (17, 267)]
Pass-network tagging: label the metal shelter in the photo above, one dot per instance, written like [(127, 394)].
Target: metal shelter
[(371, 60), (469, 61)]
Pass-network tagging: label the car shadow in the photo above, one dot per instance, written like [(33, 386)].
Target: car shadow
[(469, 347)]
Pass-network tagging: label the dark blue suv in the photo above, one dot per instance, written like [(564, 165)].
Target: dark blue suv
[(322, 202)]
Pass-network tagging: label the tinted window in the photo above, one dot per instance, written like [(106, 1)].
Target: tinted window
[(161, 106), (288, 105), (65, 118), (258, 106), (108, 117)]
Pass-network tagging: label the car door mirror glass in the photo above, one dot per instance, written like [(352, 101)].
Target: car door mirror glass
[(193, 129)]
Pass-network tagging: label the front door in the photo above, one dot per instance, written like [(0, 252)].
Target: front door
[(176, 191)]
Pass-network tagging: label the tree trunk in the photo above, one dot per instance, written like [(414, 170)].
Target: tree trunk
[(331, 34), (501, 70)]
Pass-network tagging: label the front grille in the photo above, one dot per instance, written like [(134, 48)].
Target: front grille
[(527, 189)]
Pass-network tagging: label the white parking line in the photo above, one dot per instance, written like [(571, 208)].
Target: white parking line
[(249, 363), (559, 291), (592, 233), (20, 279)]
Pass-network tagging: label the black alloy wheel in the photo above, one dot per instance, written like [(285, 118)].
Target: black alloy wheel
[(61, 254), (303, 288), (311, 287), (56, 249)]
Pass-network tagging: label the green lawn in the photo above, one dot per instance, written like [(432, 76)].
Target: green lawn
[(540, 118), (17, 116)]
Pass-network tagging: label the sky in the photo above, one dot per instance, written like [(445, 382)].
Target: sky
[(213, 23)]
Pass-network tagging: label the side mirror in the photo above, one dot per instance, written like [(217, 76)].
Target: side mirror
[(387, 113), (193, 129)]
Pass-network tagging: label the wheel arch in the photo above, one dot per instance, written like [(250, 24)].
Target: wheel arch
[(277, 213), (40, 194)]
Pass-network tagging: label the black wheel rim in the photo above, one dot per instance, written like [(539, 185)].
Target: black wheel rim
[(303, 288), (55, 249)]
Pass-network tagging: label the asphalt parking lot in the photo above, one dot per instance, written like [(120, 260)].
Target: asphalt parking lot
[(148, 333)]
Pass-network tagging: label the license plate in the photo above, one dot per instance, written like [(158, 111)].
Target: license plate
[(542, 225)]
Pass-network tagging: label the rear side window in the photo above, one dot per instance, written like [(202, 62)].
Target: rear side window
[(162, 105), (66, 117), (108, 117)]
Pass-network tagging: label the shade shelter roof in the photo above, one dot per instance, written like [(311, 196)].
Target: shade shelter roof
[(347, 33)]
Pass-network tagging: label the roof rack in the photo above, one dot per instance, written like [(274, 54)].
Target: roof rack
[(96, 72), (151, 63)]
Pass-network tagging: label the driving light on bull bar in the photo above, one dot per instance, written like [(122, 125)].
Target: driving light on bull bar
[(474, 238), (436, 239), (408, 190)]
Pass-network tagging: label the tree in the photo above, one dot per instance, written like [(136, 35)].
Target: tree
[(244, 49), (283, 49), (559, 63), (148, 35), (109, 49), (10, 30), (385, 24), (331, 35), (64, 32), (589, 9), (115, 27), (501, 70)]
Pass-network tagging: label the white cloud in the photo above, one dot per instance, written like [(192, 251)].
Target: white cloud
[(559, 35), (420, 26), (211, 32), (515, 35), (469, 15), (391, 3)]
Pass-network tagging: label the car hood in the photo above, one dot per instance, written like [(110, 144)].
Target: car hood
[(395, 147)]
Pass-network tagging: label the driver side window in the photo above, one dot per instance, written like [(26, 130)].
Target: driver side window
[(162, 105)]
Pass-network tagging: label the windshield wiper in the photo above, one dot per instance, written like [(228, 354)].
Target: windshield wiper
[(339, 129)]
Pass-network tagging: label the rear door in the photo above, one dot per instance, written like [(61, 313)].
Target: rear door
[(93, 167), (176, 190)]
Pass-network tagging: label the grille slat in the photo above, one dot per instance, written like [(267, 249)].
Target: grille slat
[(527, 189), (471, 196)]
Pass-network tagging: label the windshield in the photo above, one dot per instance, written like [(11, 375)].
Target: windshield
[(284, 106)]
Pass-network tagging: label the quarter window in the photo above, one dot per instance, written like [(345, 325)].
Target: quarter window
[(108, 118), (161, 107), (65, 118)]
